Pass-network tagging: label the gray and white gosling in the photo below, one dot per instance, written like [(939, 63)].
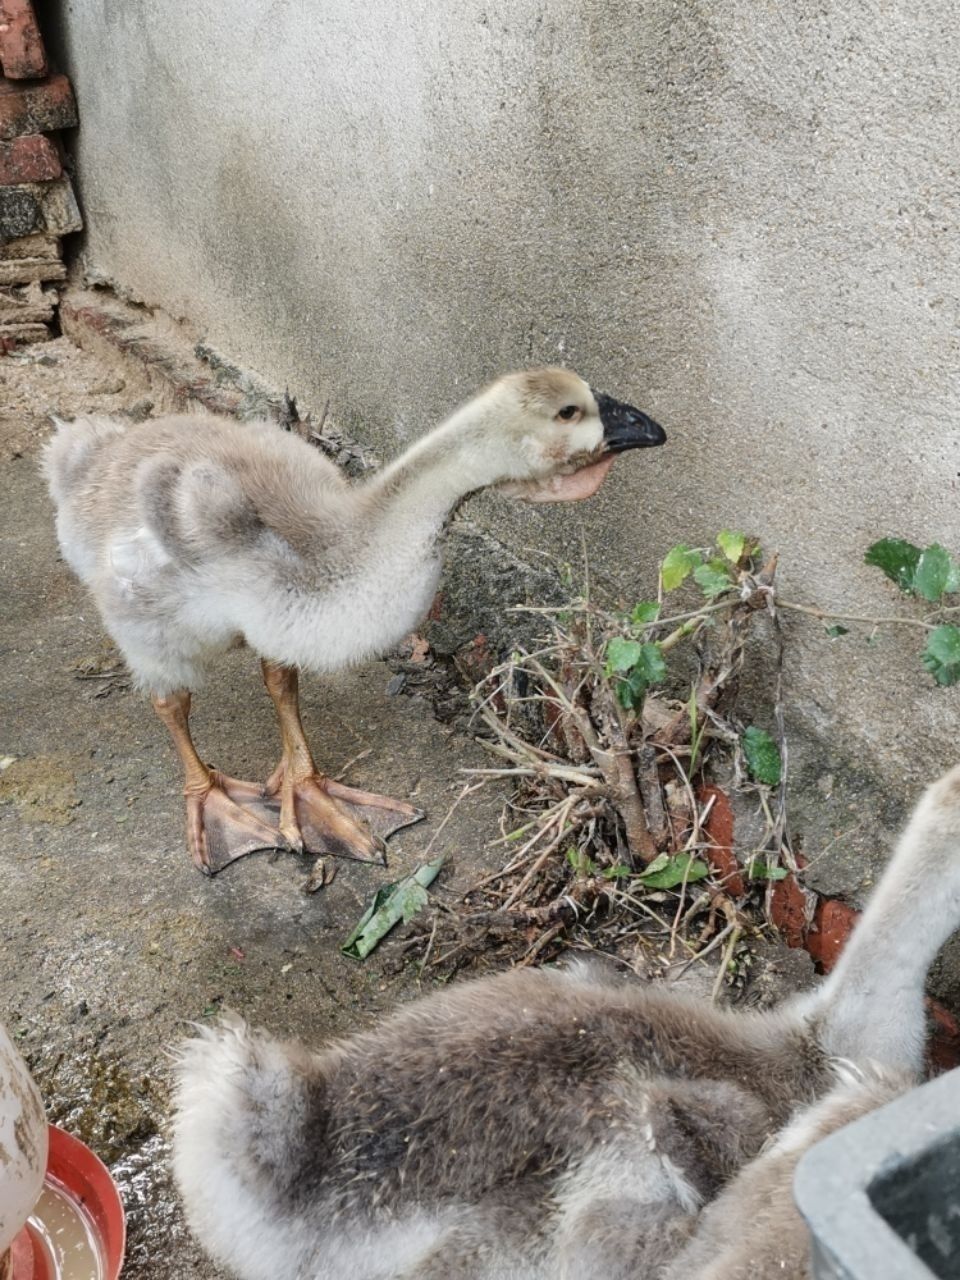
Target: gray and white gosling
[(540, 1124), (753, 1229), (194, 532)]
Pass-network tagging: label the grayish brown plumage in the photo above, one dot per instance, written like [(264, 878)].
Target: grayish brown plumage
[(544, 1124)]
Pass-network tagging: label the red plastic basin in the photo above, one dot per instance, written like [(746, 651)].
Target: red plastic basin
[(81, 1178)]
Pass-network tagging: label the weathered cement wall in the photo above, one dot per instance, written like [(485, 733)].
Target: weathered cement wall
[(742, 215)]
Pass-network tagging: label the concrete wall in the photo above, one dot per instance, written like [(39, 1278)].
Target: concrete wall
[(740, 214)]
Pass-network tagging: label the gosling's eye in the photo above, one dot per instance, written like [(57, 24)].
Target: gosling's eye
[(568, 412)]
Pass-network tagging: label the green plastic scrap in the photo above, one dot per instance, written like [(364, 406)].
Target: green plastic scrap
[(391, 904)]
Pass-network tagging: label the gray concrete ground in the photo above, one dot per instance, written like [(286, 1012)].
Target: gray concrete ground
[(110, 940)]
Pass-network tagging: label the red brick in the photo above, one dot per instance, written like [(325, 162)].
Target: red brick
[(38, 106), (32, 158), (21, 45), (789, 910), (943, 1045), (833, 923), (474, 660), (719, 829)]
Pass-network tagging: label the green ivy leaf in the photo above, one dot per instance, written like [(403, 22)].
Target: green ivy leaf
[(678, 563), (712, 581), (645, 612), (837, 630), (666, 872), (933, 572), (763, 756), (942, 655), (731, 544), (898, 560), (622, 654), (953, 579), (648, 668)]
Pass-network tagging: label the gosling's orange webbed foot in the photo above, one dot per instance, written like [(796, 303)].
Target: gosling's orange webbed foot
[(220, 829), (318, 815)]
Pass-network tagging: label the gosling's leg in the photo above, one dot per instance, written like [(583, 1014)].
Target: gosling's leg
[(318, 814), (219, 830)]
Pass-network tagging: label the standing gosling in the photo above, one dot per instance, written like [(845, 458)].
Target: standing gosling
[(195, 532)]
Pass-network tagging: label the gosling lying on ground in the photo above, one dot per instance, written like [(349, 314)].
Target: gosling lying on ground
[(541, 1124)]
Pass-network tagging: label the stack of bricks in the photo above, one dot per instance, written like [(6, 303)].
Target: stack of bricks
[(37, 204)]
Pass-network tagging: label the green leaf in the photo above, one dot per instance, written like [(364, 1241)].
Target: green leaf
[(645, 612), (757, 870), (666, 872), (953, 579), (942, 654), (898, 560), (518, 834), (763, 756), (391, 904), (731, 544), (933, 572), (649, 668), (581, 862), (837, 630), (622, 654), (712, 581), (617, 872), (678, 563)]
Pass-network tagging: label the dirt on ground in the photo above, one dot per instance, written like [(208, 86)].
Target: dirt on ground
[(111, 943)]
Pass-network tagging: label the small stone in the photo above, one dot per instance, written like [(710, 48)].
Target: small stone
[(395, 685), (108, 386)]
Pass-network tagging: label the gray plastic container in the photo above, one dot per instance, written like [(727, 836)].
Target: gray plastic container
[(882, 1196)]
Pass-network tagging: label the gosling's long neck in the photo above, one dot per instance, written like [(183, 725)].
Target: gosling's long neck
[(420, 489), (872, 1004)]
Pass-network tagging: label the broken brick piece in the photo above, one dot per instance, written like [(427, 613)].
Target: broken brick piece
[(833, 922), (790, 910), (943, 1043), (26, 304), (719, 830), (11, 335), (24, 270), (37, 106), (31, 158), (21, 45), (474, 659), (38, 206), (35, 246)]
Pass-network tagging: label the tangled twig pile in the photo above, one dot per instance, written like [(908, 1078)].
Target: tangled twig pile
[(610, 821)]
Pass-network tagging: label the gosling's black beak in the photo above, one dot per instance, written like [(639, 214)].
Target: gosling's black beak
[(625, 427)]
